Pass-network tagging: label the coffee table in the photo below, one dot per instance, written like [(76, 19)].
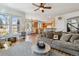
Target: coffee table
[(39, 51)]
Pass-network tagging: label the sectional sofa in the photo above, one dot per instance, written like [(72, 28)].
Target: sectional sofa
[(66, 42)]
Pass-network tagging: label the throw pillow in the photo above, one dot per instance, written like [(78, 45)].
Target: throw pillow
[(65, 37), (55, 37), (74, 37), (76, 41)]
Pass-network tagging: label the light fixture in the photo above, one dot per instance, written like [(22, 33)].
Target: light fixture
[(41, 8)]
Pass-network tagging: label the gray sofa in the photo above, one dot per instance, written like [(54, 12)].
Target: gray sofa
[(68, 43)]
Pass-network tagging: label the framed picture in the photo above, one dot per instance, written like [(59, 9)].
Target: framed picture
[(55, 37)]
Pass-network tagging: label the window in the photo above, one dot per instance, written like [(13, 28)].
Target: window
[(15, 24), (9, 24), (4, 25), (74, 23)]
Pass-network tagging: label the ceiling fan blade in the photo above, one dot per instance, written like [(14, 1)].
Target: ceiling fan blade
[(42, 4), (36, 9), (47, 7), (35, 5)]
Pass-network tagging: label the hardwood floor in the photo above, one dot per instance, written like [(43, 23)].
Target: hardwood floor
[(32, 38)]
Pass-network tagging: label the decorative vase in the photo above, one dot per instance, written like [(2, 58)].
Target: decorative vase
[(41, 44)]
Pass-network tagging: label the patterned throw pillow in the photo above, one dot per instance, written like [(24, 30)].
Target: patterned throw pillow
[(55, 37)]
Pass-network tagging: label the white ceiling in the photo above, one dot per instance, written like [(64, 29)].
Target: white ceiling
[(57, 9)]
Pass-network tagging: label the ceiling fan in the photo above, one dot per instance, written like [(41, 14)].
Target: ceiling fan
[(41, 7)]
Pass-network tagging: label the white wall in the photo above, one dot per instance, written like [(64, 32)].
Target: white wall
[(61, 25), (38, 16), (33, 16)]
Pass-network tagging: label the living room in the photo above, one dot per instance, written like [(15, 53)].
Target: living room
[(44, 29)]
